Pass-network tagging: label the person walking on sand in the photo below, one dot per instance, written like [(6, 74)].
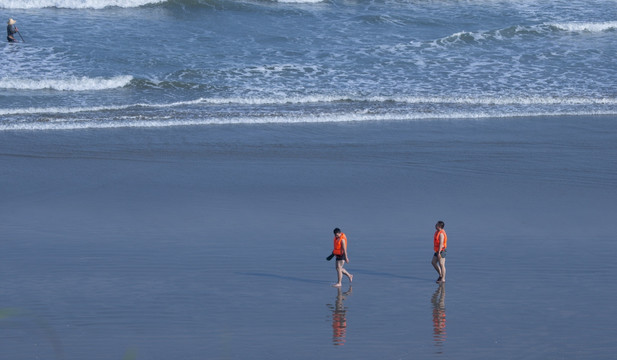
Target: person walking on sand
[(440, 244), (340, 251), (11, 29)]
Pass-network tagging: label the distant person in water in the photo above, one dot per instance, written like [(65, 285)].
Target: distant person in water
[(340, 251), (11, 29), (440, 243)]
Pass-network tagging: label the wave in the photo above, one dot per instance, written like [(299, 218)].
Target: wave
[(512, 100), (289, 119), (102, 4), (301, 1), (585, 26), (467, 37), (75, 4), (306, 100), (520, 30), (73, 110), (70, 84)]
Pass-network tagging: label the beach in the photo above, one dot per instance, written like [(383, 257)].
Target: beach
[(171, 172), (209, 242)]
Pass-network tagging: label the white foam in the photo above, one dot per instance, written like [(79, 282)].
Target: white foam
[(74, 4), (301, 1), (74, 110), (499, 34), (510, 100), (69, 84), (585, 26), (305, 119), (325, 99)]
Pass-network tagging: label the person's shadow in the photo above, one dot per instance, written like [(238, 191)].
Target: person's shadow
[(339, 317), (439, 317)]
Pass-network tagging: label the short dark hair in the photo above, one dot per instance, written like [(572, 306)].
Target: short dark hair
[(336, 231), (441, 224)]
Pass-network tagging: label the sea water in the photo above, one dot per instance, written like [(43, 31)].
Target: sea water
[(126, 63), (171, 172)]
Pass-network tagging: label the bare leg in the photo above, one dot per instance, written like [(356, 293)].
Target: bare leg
[(339, 272), (346, 273), (442, 267), (437, 267)]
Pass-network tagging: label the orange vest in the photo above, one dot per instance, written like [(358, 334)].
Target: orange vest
[(436, 240), (338, 245)]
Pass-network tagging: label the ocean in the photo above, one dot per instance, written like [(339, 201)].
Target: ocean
[(137, 63), (171, 173)]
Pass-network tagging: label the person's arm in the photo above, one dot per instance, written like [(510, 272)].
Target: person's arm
[(344, 243), (440, 246)]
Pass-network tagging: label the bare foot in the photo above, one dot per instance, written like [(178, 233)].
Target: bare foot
[(350, 278), (336, 285), (438, 280)]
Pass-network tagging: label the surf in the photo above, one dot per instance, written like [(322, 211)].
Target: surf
[(75, 4), (579, 27), (83, 83)]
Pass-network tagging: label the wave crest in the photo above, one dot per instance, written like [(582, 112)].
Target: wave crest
[(70, 84), (317, 99), (300, 1), (438, 100), (137, 122), (75, 4), (585, 26), (467, 37)]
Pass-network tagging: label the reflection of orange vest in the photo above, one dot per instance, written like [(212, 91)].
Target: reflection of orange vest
[(339, 327), (338, 245), (436, 240)]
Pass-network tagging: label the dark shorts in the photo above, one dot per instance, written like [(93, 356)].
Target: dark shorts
[(340, 257), (443, 254)]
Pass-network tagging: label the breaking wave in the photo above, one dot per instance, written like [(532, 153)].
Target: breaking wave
[(75, 4), (137, 122), (519, 30), (70, 84), (308, 100), (585, 26)]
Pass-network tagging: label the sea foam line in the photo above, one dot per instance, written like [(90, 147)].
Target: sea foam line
[(512, 100), (300, 1), (325, 99), (70, 84), (74, 110), (305, 119), (74, 4)]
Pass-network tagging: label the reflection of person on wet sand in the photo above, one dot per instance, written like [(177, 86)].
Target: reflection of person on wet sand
[(339, 317), (439, 315)]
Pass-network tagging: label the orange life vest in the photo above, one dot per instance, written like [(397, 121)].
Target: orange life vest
[(338, 245), (436, 240)]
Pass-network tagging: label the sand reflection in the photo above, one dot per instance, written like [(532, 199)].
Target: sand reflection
[(439, 317), (339, 317)]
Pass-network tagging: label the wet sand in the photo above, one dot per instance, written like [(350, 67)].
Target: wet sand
[(210, 242)]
